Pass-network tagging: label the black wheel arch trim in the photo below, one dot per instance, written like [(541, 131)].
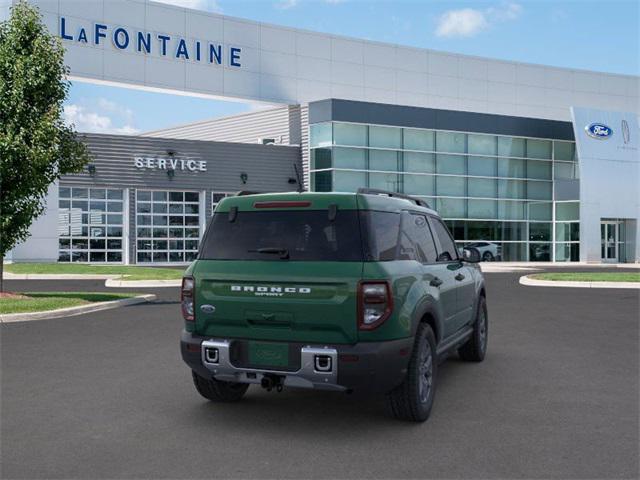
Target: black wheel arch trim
[(429, 311)]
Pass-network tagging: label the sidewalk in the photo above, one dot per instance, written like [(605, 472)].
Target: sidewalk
[(113, 281), (77, 310), (534, 282), (497, 267)]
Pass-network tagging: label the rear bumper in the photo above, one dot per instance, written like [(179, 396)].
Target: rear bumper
[(366, 366)]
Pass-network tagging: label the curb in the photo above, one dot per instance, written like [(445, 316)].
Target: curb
[(71, 311), (507, 269), (60, 276), (532, 282), (113, 281), (116, 283)]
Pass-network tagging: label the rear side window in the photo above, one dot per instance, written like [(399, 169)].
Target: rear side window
[(306, 235), (393, 236), (381, 233), (416, 228), (448, 250)]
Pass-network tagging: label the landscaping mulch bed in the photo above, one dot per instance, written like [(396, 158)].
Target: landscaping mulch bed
[(12, 295)]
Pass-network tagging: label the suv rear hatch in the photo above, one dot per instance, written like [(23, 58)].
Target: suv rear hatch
[(280, 268)]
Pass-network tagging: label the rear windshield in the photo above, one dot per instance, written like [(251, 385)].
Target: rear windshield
[(306, 235)]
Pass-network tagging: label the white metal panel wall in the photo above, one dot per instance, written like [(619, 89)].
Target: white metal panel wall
[(304, 146), (609, 176), (292, 66), (42, 243), (5, 6), (281, 124)]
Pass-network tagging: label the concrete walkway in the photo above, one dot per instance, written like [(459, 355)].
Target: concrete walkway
[(499, 267), (114, 281), (78, 310), (533, 282)]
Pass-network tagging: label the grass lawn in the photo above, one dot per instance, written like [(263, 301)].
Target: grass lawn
[(129, 271), (42, 301), (589, 276)]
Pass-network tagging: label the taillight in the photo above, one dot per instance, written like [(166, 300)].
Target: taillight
[(186, 298), (375, 304)]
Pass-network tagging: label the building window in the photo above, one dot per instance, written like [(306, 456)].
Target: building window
[(567, 211), (90, 225), (567, 252), (167, 226), (321, 134), (349, 134)]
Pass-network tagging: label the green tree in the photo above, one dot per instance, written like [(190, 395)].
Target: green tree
[(36, 147)]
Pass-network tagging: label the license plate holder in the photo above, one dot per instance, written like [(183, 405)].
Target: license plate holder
[(269, 354)]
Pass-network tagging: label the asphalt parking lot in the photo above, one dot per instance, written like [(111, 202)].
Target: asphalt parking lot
[(106, 395)]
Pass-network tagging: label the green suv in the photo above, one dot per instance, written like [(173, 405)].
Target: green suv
[(334, 291)]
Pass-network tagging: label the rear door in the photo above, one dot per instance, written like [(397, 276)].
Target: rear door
[(460, 276), (281, 275), (437, 278)]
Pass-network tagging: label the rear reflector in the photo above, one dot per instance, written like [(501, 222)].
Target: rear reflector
[(281, 204), (349, 358)]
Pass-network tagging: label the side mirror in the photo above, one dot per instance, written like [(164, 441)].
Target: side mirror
[(471, 255)]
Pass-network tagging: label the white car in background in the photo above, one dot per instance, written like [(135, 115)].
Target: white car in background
[(489, 252)]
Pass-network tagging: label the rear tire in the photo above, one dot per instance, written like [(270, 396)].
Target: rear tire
[(476, 347), (218, 391), (413, 399)]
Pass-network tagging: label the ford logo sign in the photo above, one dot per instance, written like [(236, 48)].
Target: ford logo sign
[(599, 131)]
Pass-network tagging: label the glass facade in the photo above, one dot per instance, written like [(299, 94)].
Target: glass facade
[(167, 226), (489, 188), (90, 225)]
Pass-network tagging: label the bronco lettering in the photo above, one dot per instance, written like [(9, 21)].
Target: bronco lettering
[(269, 290)]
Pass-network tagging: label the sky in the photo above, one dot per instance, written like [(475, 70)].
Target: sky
[(601, 35)]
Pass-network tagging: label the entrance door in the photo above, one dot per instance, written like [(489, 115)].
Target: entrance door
[(609, 241)]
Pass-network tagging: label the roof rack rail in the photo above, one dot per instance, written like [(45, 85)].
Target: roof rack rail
[(375, 191)]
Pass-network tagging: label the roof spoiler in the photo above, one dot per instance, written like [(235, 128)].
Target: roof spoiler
[(375, 191), (242, 193)]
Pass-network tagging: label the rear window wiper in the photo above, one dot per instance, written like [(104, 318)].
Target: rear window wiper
[(283, 252)]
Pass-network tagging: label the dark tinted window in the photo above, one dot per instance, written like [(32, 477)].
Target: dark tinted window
[(409, 249), (447, 247), (380, 231), (418, 230), (303, 235)]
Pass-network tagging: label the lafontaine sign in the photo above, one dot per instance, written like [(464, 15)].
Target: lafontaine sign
[(160, 44), (172, 163)]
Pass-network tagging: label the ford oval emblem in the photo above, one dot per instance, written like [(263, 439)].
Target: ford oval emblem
[(599, 131), (207, 308)]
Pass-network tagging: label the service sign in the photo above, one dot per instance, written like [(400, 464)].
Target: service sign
[(171, 163)]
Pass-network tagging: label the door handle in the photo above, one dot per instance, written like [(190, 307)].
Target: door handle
[(436, 282), (459, 277)]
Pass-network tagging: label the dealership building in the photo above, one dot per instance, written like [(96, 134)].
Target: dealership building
[(538, 163)]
